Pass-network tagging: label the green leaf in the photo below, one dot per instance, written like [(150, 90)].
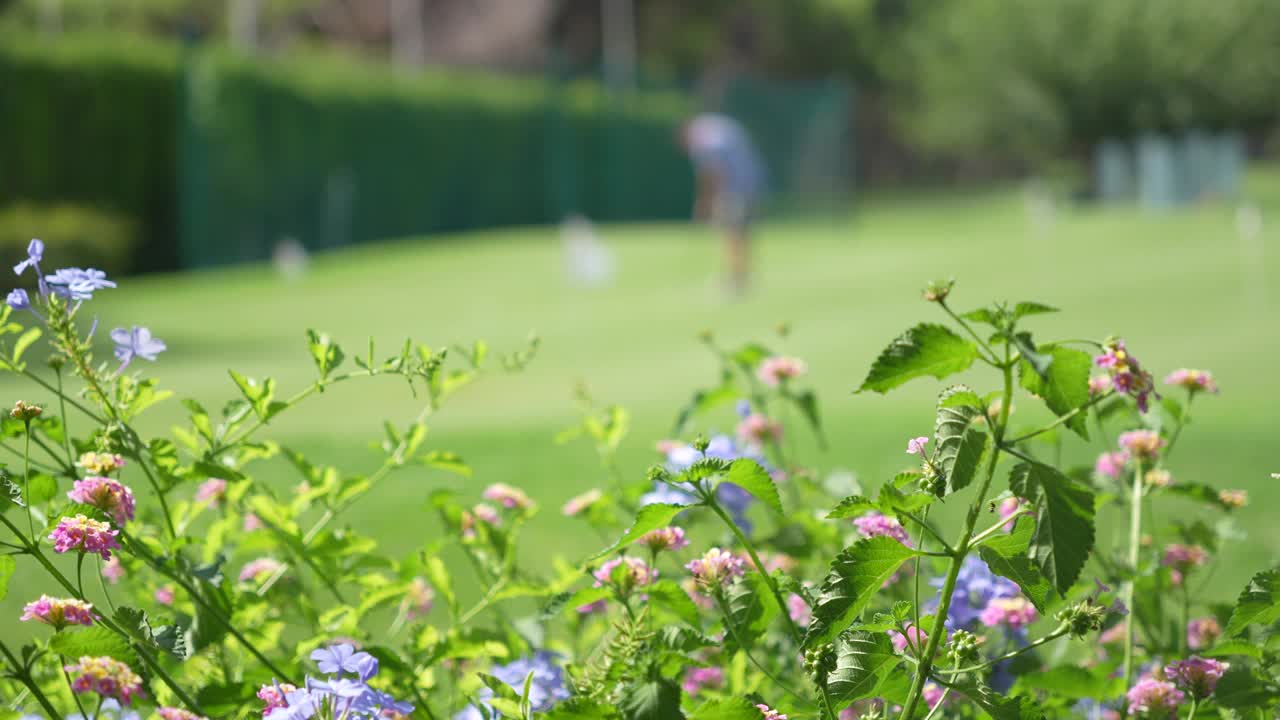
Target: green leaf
[(1198, 492), (25, 341), (855, 577), (1073, 682), (1016, 542), (41, 488), (807, 403), (667, 594), (748, 475), (1024, 309), (734, 708), (579, 708), (751, 608), (1024, 571), (8, 566), (650, 517), (1040, 362), (1064, 387), (1228, 648), (1064, 534), (996, 704), (326, 353), (1241, 688), (1259, 604), (960, 442), (653, 700), (852, 506), (95, 640), (893, 500), (926, 349), (704, 400), (864, 662)]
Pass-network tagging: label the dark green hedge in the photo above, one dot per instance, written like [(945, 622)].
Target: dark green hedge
[(215, 157), (91, 121)]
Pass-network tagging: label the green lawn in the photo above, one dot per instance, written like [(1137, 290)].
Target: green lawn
[(1178, 287)]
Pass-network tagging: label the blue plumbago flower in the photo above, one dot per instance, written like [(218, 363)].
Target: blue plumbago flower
[(78, 284), (342, 658), (139, 343), (109, 710), (976, 587), (743, 408), (546, 689), (18, 300), (35, 253)]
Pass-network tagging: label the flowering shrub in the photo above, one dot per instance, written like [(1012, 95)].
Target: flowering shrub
[(736, 582)]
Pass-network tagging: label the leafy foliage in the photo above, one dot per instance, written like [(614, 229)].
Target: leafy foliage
[(925, 349)]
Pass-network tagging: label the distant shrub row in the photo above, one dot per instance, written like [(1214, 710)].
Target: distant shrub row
[(214, 157)]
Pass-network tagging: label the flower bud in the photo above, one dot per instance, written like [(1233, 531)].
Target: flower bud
[(938, 291), (25, 411), (1083, 617)]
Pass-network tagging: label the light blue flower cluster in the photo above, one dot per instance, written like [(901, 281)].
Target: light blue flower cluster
[(732, 497), (80, 284), (345, 693), (545, 689), (976, 587)]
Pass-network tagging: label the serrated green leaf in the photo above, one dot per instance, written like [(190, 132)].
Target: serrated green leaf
[(997, 705), (893, 500), (734, 708), (926, 349), (864, 662), (1064, 534), (1039, 361), (577, 708), (1259, 604), (652, 700), (751, 607), (704, 400), (1228, 648), (41, 489), (650, 517), (1016, 542), (95, 640), (667, 594), (1024, 309), (1241, 688), (1063, 387), (8, 566), (748, 475), (852, 506), (961, 444), (855, 576), (1025, 572), (807, 403)]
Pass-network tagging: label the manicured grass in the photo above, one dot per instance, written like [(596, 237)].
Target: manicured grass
[(1178, 287)]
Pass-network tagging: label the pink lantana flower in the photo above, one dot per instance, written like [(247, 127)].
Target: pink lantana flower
[(260, 569), (1196, 675), (715, 569), (507, 496), (1152, 698), (106, 494), (667, 538), (1015, 613), (211, 491), (758, 429), (1193, 380), (1142, 444), (580, 503), (1203, 632), (1110, 465), (915, 446), (105, 676), (58, 612), (85, 535), (774, 370)]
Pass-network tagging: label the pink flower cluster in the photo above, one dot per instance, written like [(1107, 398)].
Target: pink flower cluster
[(58, 612), (799, 610), (1203, 632), (86, 535), (774, 370), (1015, 613), (1198, 676), (915, 446), (507, 496), (419, 597), (105, 676), (100, 463), (173, 713), (273, 696), (1152, 698), (769, 713), (715, 568), (1110, 465), (913, 638), (580, 503), (113, 570), (758, 429), (1193, 380), (1184, 557), (1142, 444), (875, 524), (667, 538), (697, 678), (260, 569), (211, 491), (1099, 384), (1009, 507), (635, 573), (109, 496), (1127, 375)]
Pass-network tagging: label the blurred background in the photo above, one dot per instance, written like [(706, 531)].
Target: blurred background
[(460, 169)]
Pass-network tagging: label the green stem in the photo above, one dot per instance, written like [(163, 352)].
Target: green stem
[(74, 695), (962, 548), (992, 360), (728, 625), (1059, 632), (924, 525), (26, 480), (1182, 421), (982, 536), (23, 676), (66, 426), (1063, 418), (755, 559), (1135, 540), (946, 692), (1195, 705)]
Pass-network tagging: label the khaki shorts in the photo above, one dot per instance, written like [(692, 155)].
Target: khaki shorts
[(733, 211)]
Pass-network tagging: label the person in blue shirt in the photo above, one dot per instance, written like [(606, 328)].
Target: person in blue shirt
[(730, 184)]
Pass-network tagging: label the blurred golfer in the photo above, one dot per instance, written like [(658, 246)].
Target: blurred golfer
[(731, 183)]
